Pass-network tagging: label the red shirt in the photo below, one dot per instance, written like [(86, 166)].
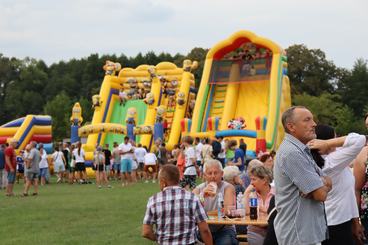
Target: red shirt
[(9, 152)]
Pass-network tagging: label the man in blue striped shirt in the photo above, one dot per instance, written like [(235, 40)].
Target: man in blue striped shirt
[(301, 187)]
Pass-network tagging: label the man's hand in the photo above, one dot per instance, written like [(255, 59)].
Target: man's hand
[(12, 170)]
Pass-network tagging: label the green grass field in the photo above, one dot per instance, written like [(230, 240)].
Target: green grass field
[(75, 214)]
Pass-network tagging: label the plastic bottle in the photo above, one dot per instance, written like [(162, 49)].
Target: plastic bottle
[(239, 201), (253, 204), (220, 203)]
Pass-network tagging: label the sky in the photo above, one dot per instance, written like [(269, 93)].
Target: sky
[(55, 30)]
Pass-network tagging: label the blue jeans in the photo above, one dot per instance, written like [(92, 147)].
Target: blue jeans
[(224, 236)]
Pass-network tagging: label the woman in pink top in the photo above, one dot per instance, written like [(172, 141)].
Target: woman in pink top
[(260, 179)]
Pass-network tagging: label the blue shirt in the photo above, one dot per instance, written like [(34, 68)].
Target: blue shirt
[(299, 220), (240, 153)]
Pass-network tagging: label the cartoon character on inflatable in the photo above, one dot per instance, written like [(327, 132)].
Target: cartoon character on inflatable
[(237, 123), (111, 67)]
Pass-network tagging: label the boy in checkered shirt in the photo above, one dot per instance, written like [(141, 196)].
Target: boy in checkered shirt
[(175, 212)]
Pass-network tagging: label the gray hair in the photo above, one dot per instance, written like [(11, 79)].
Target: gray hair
[(254, 163), (288, 116), (262, 172), (230, 172), (211, 163)]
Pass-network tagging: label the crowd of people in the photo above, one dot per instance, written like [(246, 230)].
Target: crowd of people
[(313, 190)]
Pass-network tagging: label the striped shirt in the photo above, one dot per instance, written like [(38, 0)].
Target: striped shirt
[(176, 213), (299, 220)]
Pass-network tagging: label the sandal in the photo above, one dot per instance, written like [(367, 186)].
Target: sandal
[(34, 194), (25, 194)]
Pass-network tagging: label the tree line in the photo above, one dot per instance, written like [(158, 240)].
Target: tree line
[(335, 95)]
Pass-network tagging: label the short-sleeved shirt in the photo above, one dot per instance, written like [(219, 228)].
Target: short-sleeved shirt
[(78, 156), (9, 152), (176, 213), (150, 159), (107, 153), (189, 167), (116, 155), (43, 162), (139, 154), (299, 220), (198, 150), (239, 153), (126, 148), (34, 157)]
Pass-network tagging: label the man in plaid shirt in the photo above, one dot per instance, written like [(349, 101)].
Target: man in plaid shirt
[(175, 212)]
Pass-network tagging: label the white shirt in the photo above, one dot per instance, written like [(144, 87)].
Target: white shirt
[(140, 153), (43, 163), (78, 157), (57, 156), (198, 151), (125, 148), (150, 159), (341, 203), (222, 154), (189, 155)]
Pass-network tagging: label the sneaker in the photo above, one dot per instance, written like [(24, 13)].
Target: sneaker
[(153, 181), (58, 180), (146, 181), (99, 187), (109, 186)]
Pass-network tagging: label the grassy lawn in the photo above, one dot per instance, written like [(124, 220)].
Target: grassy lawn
[(75, 214)]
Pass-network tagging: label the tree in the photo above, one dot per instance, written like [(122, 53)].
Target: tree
[(353, 88), (60, 109), (199, 55), (327, 110), (309, 71)]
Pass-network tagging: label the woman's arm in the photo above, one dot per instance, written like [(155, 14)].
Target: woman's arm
[(359, 173)]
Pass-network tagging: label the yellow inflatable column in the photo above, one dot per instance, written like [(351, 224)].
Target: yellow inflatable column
[(151, 110), (231, 96), (179, 111)]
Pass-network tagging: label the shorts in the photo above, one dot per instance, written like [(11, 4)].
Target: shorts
[(100, 167), (31, 176), (146, 168), (71, 169), (59, 167), (11, 177), (126, 165), (116, 166), (140, 166), (199, 163), (107, 168), (43, 172), (80, 167), (189, 180), (134, 165)]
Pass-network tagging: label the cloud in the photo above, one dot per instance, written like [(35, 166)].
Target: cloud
[(55, 30)]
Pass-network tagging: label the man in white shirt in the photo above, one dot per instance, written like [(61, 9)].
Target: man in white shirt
[(139, 154), (150, 167), (126, 152)]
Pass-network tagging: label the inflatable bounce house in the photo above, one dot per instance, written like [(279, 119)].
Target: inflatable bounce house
[(145, 103), (243, 92), (30, 128)]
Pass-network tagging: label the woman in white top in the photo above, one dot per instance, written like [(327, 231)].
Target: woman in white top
[(59, 164), (44, 165), (78, 156), (340, 205)]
